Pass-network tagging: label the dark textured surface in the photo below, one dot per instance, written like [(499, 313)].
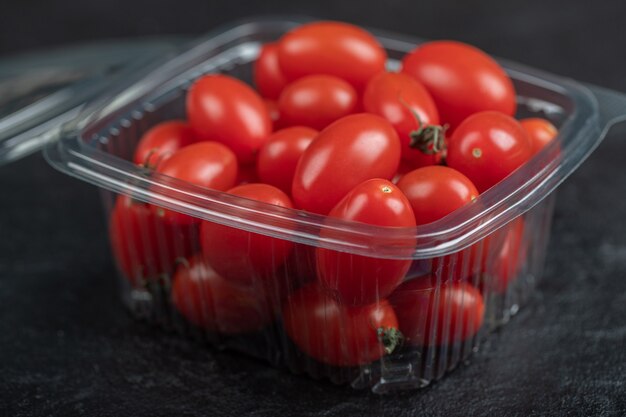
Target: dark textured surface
[(69, 348)]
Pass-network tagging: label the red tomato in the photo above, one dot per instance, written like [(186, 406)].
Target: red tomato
[(242, 256), (436, 191), (162, 141), (462, 80), (540, 132), (272, 108), (503, 260), (208, 164), (487, 147), (430, 316), (224, 109), (340, 49), (408, 106), (144, 247), (268, 78), (498, 258), (339, 335), (346, 153), (216, 304), (316, 101), (279, 156), (357, 279)]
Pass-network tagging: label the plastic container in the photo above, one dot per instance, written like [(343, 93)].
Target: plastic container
[(497, 245)]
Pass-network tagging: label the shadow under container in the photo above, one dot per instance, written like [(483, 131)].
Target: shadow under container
[(496, 245)]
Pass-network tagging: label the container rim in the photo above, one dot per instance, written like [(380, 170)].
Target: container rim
[(74, 153)]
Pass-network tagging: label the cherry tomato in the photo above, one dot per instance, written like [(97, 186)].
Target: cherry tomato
[(144, 247), (429, 316), (498, 257), (462, 80), (503, 260), (487, 147), (242, 256), (540, 132), (346, 153), (339, 335), (272, 108), (436, 191), (316, 101), (357, 279), (408, 106), (208, 164), (268, 78), (224, 109), (333, 48), (216, 304), (279, 156), (162, 141)]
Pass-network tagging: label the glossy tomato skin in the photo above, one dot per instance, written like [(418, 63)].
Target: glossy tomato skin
[(540, 132), (216, 304), (356, 279), (487, 147), (316, 101), (397, 97), (339, 335), (241, 256), (333, 48), (207, 164), (279, 156), (351, 150), (434, 317), (144, 247), (436, 191), (162, 141), (268, 78), (223, 109), (462, 80)]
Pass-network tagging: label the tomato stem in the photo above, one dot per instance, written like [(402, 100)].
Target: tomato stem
[(430, 139), (391, 338)]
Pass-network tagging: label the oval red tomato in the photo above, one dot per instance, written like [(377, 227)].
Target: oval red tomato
[(431, 316), (462, 80), (487, 147), (408, 106), (333, 48), (540, 132), (216, 304), (279, 156), (224, 109), (498, 258), (316, 101), (357, 279), (144, 247), (162, 141), (339, 335), (351, 150), (242, 256), (436, 191), (207, 164), (268, 78)]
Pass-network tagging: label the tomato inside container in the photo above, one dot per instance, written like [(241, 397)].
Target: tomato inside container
[(460, 277)]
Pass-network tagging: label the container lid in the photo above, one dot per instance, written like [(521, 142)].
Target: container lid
[(40, 91)]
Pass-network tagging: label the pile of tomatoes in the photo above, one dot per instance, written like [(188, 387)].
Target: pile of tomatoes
[(330, 131)]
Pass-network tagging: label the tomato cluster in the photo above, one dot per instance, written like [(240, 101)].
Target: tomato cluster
[(330, 131)]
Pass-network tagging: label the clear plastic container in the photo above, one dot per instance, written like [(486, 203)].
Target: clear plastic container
[(497, 245)]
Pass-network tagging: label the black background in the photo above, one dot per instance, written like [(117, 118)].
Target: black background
[(67, 346)]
